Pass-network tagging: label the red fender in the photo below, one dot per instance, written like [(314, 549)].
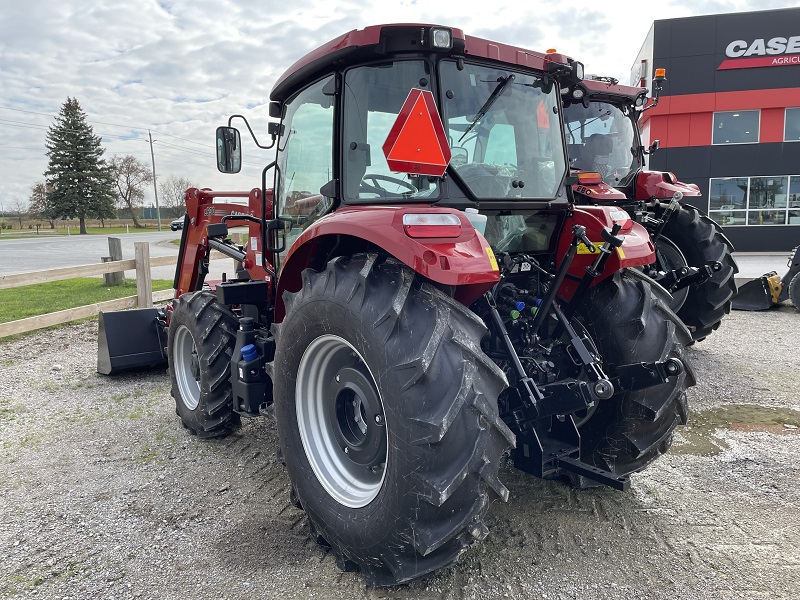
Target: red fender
[(465, 261), (636, 249), (662, 185)]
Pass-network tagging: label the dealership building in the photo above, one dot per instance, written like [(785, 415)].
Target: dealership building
[(729, 118)]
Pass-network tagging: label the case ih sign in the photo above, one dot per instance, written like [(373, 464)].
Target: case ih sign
[(775, 52)]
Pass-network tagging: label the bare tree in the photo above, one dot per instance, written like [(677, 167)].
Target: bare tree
[(20, 208), (171, 191), (130, 177), (38, 204)]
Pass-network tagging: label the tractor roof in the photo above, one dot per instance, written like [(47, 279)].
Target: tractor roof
[(376, 41), (607, 88)]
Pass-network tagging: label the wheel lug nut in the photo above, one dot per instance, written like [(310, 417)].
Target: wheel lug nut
[(337, 379), (346, 450), (379, 419)]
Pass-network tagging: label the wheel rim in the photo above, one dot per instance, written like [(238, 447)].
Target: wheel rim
[(186, 367), (668, 257), (341, 421)]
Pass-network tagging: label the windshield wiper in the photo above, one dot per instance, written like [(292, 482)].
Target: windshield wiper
[(504, 83)]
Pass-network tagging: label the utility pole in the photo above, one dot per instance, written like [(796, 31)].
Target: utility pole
[(155, 185)]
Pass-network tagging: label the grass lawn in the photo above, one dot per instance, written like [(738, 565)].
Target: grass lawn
[(41, 298)]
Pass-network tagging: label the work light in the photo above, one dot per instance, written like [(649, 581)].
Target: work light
[(441, 38)]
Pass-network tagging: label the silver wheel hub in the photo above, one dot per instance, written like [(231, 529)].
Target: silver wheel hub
[(186, 366), (341, 421)]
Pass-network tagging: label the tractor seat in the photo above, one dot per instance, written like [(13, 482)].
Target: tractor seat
[(596, 150)]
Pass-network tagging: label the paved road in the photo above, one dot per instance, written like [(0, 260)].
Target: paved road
[(41, 252), (44, 252)]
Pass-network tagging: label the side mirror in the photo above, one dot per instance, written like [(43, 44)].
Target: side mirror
[(229, 150)]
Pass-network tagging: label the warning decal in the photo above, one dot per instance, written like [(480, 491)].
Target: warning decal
[(417, 142)]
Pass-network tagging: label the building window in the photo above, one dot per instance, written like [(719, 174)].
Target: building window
[(736, 127), (768, 200), (794, 200), (791, 130)]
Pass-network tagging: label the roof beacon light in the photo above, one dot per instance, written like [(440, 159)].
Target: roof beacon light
[(660, 75), (441, 38), (431, 225)]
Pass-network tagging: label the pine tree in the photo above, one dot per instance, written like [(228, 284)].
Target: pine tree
[(80, 182)]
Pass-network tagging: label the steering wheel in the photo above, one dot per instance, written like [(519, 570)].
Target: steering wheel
[(376, 188)]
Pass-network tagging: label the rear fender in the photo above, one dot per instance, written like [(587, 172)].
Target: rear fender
[(662, 185), (636, 249), (465, 262)]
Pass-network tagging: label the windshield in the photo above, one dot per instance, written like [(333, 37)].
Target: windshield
[(504, 131), (601, 138)]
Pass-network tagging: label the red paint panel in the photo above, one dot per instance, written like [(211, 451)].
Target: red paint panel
[(761, 61), (700, 129), (693, 103), (771, 125), (678, 131), (742, 100), (658, 129)]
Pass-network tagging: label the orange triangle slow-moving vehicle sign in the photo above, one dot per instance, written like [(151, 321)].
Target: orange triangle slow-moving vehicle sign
[(417, 143)]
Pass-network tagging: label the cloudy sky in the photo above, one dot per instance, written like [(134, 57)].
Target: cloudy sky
[(180, 67)]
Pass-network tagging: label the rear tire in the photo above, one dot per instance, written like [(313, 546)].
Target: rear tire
[(794, 291), (628, 318), (701, 240), (202, 335), (399, 485)]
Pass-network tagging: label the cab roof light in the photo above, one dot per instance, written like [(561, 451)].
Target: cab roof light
[(431, 225), (441, 38)]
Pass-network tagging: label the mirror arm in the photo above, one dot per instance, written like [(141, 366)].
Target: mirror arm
[(252, 135)]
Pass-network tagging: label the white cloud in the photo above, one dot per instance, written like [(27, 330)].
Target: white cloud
[(182, 67)]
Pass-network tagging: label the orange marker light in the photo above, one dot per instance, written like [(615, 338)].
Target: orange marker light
[(661, 72), (550, 51), (589, 178)]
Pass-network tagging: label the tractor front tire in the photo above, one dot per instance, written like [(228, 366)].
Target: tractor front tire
[(701, 240), (629, 319), (387, 415), (202, 335)]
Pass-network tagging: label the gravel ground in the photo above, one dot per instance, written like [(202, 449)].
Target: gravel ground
[(104, 495)]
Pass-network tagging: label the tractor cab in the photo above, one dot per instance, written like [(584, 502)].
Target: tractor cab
[(418, 115)]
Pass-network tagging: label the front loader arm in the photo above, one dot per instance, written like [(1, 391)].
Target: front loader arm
[(202, 211)]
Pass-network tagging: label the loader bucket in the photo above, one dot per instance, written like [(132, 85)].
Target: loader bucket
[(130, 339), (759, 294)]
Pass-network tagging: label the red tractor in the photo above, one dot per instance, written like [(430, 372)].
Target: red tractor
[(693, 257), (419, 294)]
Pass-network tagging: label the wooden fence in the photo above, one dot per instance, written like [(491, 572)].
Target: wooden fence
[(144, 289)]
